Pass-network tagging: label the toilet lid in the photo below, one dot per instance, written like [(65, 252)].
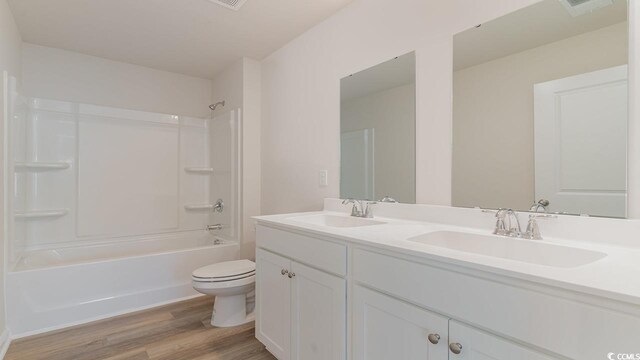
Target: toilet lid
[(227, 269)]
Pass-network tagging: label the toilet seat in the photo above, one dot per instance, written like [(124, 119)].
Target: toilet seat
[(237, 283), (229, 271)]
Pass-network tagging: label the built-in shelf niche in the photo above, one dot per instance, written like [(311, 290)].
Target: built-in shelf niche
[(41, 166), (40, 214), (198, 207)]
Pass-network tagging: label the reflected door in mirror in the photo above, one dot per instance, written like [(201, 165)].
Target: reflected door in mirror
[(581, 143), (356, 164)]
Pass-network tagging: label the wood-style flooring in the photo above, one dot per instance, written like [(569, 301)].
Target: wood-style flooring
[(180, 331)]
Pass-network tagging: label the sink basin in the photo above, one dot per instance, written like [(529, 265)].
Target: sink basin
[(336, 221), (528, 251)]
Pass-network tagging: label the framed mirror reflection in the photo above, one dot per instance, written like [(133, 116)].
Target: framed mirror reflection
[(540, 110)]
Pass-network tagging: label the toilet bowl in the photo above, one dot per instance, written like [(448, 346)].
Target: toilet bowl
[(232, 283)]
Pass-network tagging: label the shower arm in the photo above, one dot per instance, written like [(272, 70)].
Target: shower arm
[(214, 106)]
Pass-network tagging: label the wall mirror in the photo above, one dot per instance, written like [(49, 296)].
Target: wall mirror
[(377, 132), (540, 110)]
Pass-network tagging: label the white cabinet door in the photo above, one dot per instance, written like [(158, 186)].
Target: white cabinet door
[(318, 303), (385, 328), (273, 303), (478, 345)]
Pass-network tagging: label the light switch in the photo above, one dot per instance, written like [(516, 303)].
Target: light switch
[(323, 178)]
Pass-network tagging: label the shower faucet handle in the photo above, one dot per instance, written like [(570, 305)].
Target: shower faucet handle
[(214, 227), (218, 206)]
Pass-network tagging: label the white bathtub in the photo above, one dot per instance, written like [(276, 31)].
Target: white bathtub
[(52, 289)]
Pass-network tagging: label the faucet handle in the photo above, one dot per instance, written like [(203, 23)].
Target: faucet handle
[(366, 211), (500, 214), (354, 210), (501, 226), (533, 230)]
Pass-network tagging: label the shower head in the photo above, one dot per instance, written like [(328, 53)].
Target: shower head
[(214, 106)]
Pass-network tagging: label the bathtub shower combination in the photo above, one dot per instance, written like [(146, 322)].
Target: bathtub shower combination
[(107, 208)]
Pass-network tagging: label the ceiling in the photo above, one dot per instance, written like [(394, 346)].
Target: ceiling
[(193, 37), (542, 23), (390, 74)]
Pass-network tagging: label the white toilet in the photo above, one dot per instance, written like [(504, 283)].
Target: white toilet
[(232, 283)]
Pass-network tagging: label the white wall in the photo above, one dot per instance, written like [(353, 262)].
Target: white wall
[(10, 53), (301, 86), (493, 158), (240, 87), (392, 114), (10, 41), (68, 76), (227, 86)]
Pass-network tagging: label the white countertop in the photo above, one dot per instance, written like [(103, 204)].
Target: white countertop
[(617, 276)]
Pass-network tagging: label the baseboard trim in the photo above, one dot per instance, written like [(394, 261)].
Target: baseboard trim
[(5, 341)]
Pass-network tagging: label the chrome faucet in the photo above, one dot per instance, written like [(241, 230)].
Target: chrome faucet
[(360, 208), (508, 224), (504, 217)]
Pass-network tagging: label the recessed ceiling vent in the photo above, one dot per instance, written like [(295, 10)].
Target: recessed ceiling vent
[(230, 4), (581, 7)]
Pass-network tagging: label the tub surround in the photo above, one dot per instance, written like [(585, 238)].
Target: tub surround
[(67, 148), (602, 291)]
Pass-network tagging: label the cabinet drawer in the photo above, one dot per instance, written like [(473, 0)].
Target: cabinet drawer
[(530, 315), (321, 254)]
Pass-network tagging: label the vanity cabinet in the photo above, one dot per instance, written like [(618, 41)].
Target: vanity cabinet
[(300, 309), (402, 306)]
